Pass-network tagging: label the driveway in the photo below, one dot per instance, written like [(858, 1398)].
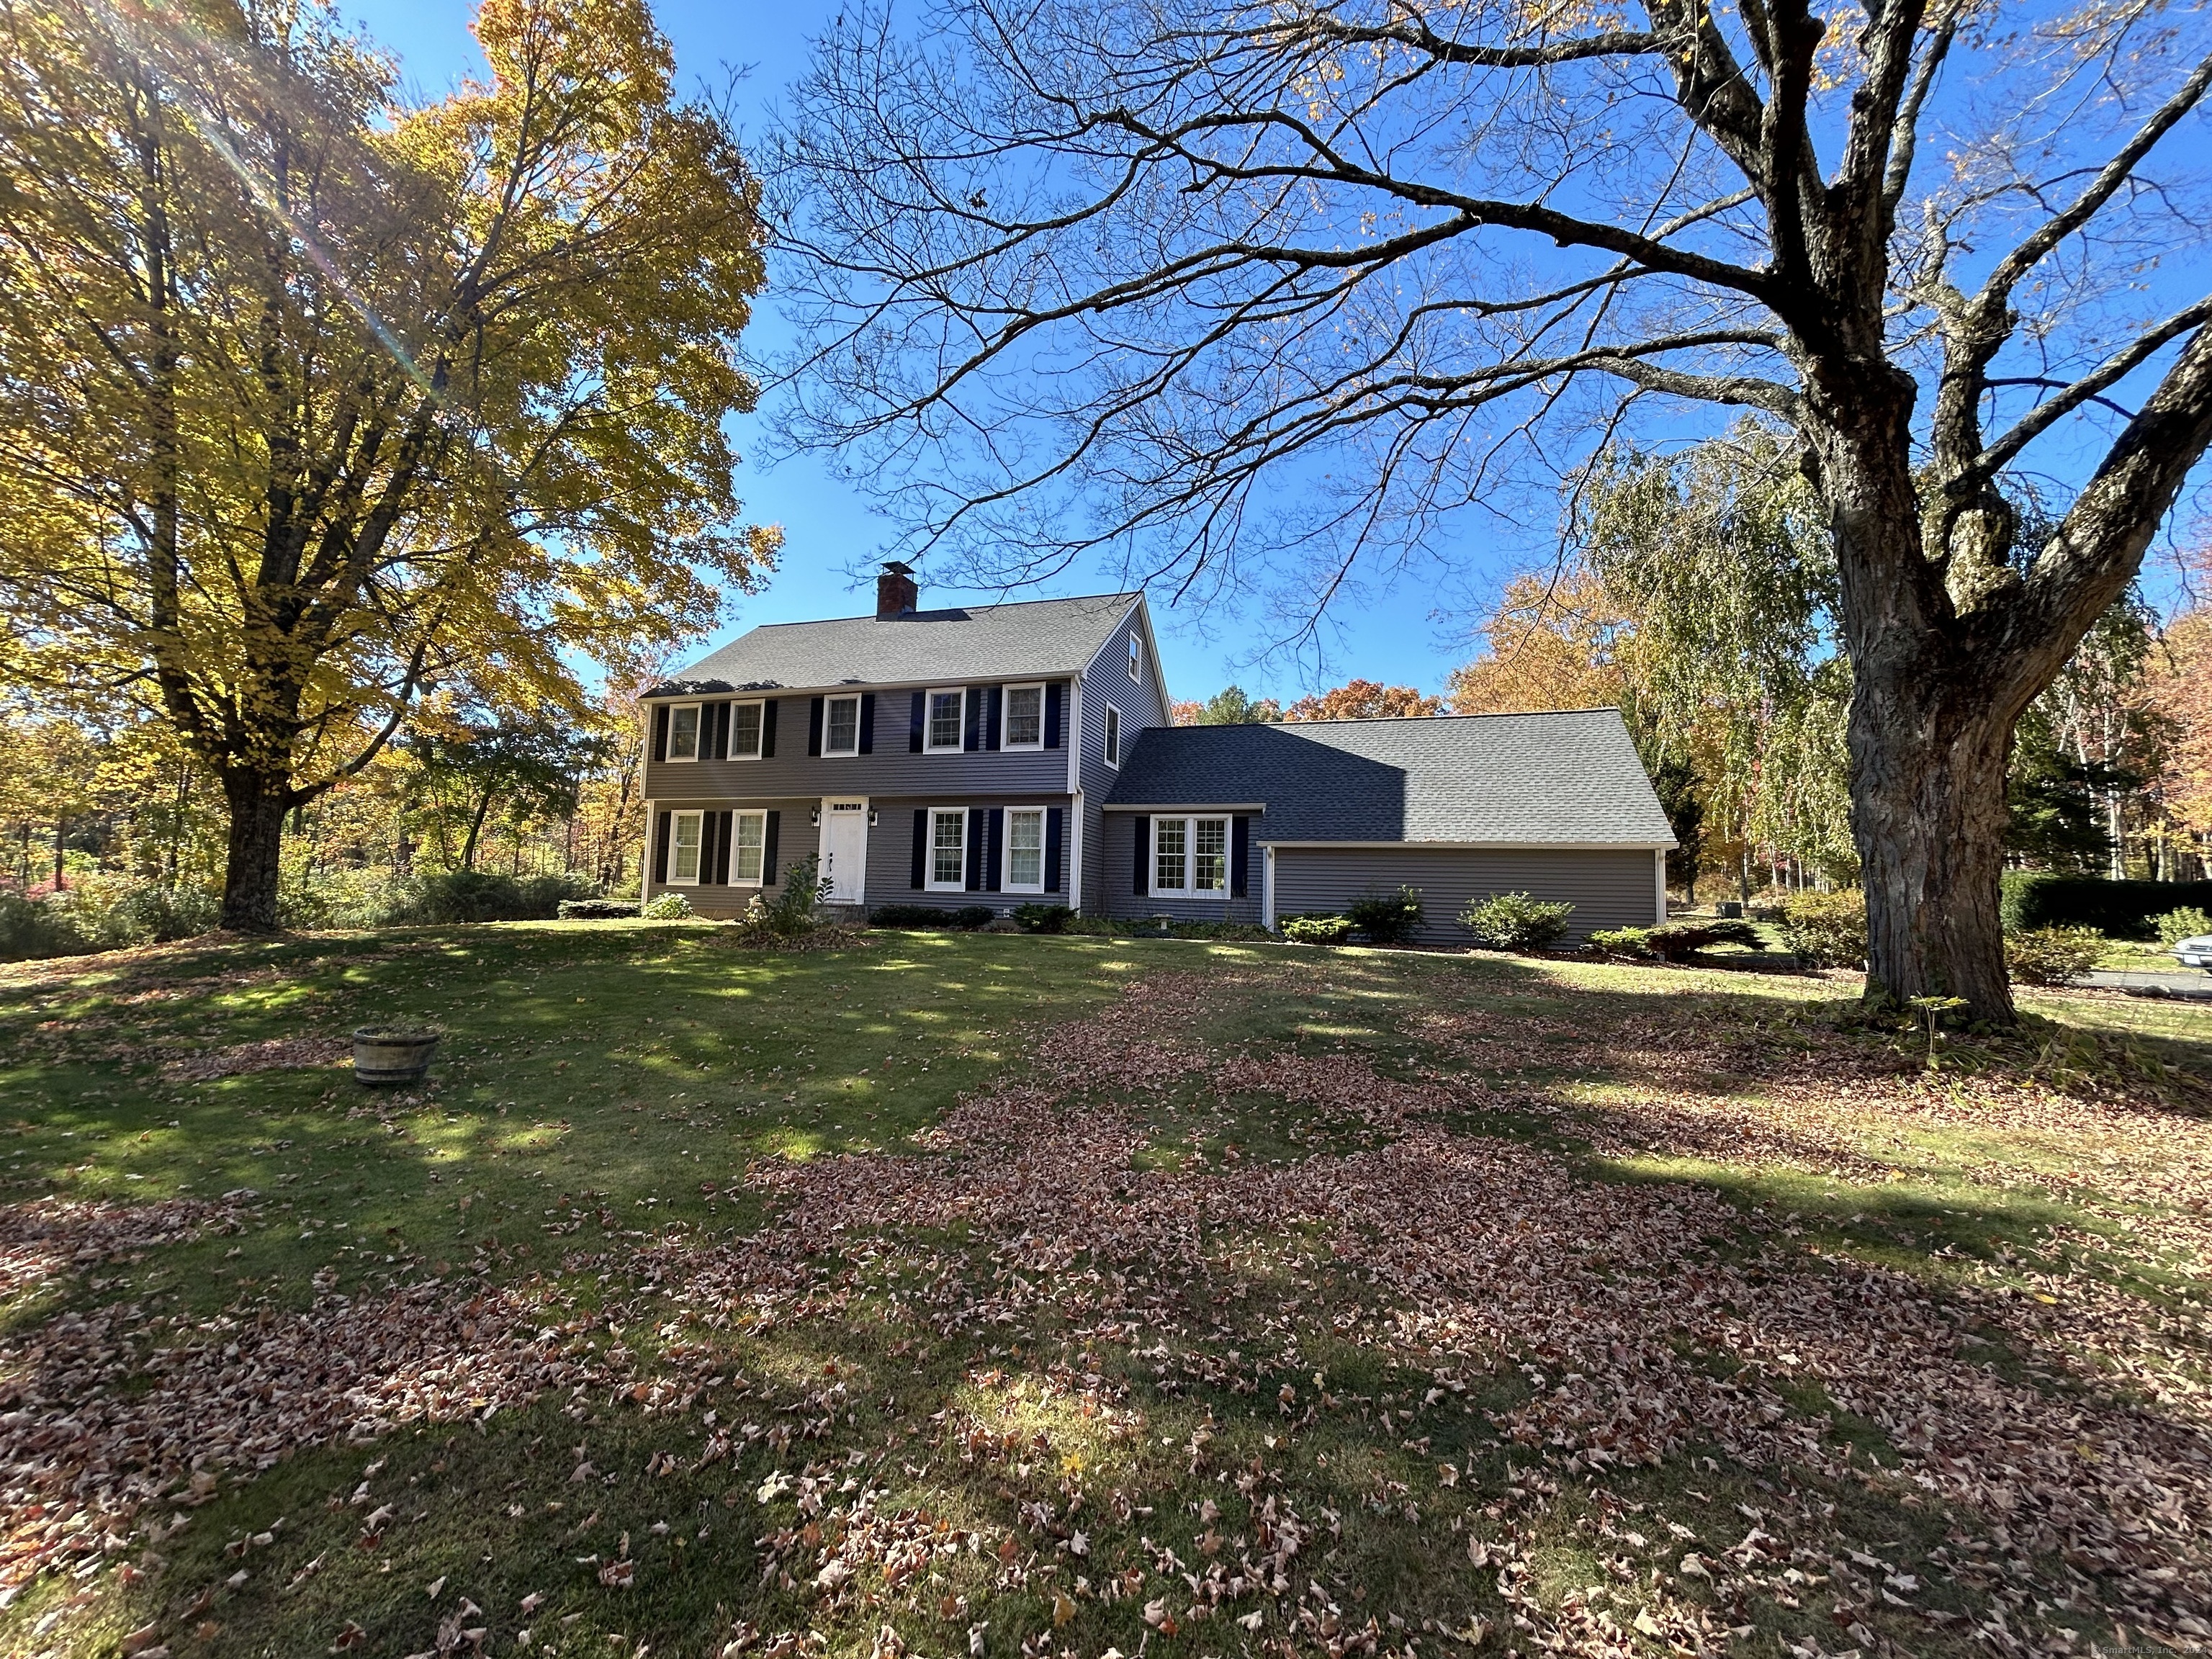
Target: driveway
[(2189, 982)]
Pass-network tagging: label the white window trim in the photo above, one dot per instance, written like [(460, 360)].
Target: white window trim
[(1006, 706), (698, 733), (736, 819), (828, 753), (759, 726), (1190, 822), (1136, 659), (929, 881), (1112, 741), (929, 746), (697, 878), (1006, 882)]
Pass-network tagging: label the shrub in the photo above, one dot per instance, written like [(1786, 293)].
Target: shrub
[(1623, 941), (1826, 930), (30, 927), (972, 916), (791, 911), (1677, 941), (1387, 918), (2176, 925), (670, 907), (1043, 918), (1317, 930), (595, 909), (1516, 921), (2119, 909), (2053, 956)]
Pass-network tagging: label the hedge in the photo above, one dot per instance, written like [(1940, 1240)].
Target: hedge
[(2119, 909)]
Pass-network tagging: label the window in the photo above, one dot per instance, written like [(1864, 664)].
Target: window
[(1024, 717), (946, 709), (683, 847), (1026, 849), (841, 726), (948, 847), (683, 731), (748, 853), (1170, 847), (1190, 855), (1136, 660), (1113, 735), (1209, 868), (746, 730)]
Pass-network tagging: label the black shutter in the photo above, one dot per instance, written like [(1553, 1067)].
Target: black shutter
[(660, 849), (867, 722), (1054, 825), (921, 843), (767, 729), (705, 843), (660, 731), (768, 849), (1240, 855), (1144, 836), (814, 727), (1052, 715), (977, 820), (995, 845), (971, 738), (995, 700), (721, 731), (914, 726), (723, 827)]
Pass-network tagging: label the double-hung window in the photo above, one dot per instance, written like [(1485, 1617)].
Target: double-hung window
[(1025, 849), (1024, 717), (745, 731), (683, 731), (749, 847), (1136, 660), (1113, 735), (840, 725), (947, 716), (948, 849), (1190, 857), (686, 837)]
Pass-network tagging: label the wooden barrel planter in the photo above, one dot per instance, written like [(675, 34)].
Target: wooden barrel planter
[(392, 1054)]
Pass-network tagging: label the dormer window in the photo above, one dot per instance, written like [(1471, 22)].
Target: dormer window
[(683, 731), (841, 726), (1024, 717)]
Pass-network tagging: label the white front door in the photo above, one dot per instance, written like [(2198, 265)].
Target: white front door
[(845, 850)]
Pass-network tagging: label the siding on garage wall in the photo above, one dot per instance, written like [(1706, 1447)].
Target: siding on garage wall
[(890, 852), (723, 902), (1117, 890), (892, 766), (1608, 888)]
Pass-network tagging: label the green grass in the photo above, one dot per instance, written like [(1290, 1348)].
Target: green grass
[(603, 1087)]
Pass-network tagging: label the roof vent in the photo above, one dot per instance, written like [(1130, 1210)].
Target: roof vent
[(895, 594)]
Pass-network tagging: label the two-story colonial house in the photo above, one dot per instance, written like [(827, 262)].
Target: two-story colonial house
[(1009, 754)]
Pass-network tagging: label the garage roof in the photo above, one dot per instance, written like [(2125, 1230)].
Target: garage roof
[(1570, 778)]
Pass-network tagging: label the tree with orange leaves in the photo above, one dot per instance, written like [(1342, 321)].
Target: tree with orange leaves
[(1364, 700)]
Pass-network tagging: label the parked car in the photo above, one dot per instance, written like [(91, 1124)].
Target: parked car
[(2195, 952)]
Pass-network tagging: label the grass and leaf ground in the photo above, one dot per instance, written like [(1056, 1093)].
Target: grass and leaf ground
[(1006, 1296)]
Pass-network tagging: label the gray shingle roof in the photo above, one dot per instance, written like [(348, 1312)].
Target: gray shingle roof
[(974, 642), (1570, 777)]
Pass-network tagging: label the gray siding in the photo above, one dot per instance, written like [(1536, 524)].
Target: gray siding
[(1608, 889), (891, 768), (1107, 681), (795, 839), (1117, 895), (890, 853)]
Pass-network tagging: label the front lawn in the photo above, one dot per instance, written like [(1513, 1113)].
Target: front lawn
[(999, 1295)]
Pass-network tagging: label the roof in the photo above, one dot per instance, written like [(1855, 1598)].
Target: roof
[(1566, 777), (1032, 638)]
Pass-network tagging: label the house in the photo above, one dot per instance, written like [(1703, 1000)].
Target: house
[(1023, 753)]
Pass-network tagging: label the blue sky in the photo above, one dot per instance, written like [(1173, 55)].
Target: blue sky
[(1395, 637)]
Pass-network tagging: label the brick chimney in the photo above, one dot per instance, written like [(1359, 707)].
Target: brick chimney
[(895, 594)]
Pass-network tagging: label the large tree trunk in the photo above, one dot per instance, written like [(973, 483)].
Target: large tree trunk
[(258, 806), (1928, 813)]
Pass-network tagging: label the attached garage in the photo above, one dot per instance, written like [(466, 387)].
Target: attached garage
[(1315, 815)]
